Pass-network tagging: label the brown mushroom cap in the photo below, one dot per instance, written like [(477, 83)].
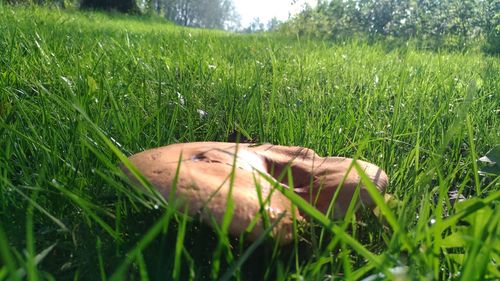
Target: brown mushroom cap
[(204, 181)]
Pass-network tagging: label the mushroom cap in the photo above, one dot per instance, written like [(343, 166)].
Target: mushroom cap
[(210, 172)]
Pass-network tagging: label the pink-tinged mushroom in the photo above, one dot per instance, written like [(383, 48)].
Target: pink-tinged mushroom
[(204, 182)]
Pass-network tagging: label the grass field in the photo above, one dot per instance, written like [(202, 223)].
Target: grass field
[(80, 90)]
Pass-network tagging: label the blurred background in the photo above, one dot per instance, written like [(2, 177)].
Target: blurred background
[(430, 24)]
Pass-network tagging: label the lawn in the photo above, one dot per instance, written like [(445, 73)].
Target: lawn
[(80, 91)]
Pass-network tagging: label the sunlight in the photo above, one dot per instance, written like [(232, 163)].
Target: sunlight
[(265, 10)]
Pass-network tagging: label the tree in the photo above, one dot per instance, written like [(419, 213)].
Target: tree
[(434, 23), (152, 6), (255, 26), (200, 13), (491, 10), (124, 6), (273, 24)]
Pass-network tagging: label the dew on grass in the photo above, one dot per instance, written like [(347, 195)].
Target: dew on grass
[(67, 81), (115, 142), (202, 113), (66, 266), (399, 272), (69, 166), (92, 141), (180, 97)]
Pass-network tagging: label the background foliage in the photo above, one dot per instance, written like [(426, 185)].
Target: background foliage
[(452, 24), (216, 14), (427, 24)]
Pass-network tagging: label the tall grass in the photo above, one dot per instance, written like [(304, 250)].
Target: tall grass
[(80, 91)]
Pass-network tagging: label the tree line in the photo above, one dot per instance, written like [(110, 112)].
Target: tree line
[(432, 23), (197, 13), (435, 24)]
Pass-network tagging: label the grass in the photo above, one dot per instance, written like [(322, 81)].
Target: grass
[(80, 91)]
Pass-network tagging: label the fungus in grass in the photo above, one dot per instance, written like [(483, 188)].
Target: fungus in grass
[(208, 172)]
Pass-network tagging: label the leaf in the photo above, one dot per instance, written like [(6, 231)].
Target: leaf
[(491, 162)]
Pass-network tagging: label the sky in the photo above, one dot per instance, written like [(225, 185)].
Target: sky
[(267, 9)]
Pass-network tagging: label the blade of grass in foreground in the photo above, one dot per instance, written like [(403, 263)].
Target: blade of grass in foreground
[(143, 271), (179, 244), (87, 207), (237, 264), (473, 155), (483, 243), (100, 260), (42, 210), (226, 219), (116, 151), (333, 242), (327, 223), (161, 224), (5, 253), (123, 159), (20, 273), (30, 242), (384, 209), (470, 209)]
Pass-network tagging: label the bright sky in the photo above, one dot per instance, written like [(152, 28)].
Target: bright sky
[(267, 9)]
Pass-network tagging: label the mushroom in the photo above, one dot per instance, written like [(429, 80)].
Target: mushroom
[(208, 172)]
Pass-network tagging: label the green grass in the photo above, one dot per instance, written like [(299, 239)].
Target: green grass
[(79, 91)]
